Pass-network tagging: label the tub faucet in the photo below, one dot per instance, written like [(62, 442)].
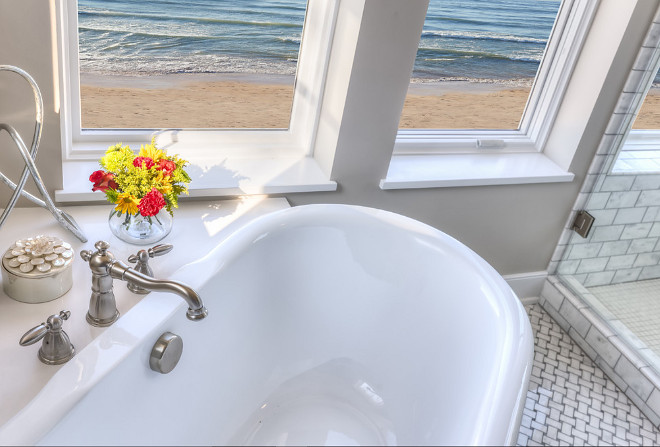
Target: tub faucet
[(102, 305)]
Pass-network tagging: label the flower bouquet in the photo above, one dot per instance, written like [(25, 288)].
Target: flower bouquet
[(144, 189)]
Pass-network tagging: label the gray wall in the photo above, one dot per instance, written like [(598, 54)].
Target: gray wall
[(515, 228), (26, 42)]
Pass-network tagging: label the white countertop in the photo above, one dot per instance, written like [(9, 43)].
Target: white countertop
[(198, 228)]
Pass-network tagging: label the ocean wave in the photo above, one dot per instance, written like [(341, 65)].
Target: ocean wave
[(509, 82), (461, 20), (137, 65), (87, 14), (295, 40), (483, 36), (127, 32), (432, 54)]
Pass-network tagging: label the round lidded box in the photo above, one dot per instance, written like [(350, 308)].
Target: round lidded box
[(38, 269)]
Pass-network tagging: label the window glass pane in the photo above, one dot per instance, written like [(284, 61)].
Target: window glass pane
[(188, 64), (476, 63), (640, 156), (649, 114)]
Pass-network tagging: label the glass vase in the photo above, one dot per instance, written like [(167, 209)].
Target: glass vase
[(138, 229)]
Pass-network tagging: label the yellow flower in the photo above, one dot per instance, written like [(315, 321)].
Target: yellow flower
[(151, 151), (163, 183), (127, 203)]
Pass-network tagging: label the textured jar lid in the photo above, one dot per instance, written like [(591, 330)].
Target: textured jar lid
[(38, 256)]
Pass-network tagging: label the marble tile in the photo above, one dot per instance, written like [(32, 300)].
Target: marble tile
[(636, 230), (576, 403), (623, 199), (621, 262), (629, 215), (614, 248), (599, 278), (617, 183), (649, 198)]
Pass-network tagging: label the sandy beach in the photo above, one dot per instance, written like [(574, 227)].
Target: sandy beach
[(649, 114), (180, 102), (463, 105), (197, 101)]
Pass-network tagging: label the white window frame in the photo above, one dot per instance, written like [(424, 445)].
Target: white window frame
[(559, 58), (293, 146), (439, 157)]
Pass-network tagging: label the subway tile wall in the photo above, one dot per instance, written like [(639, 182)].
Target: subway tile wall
[(624, 243)]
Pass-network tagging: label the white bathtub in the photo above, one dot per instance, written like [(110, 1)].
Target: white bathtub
[(328, 324)]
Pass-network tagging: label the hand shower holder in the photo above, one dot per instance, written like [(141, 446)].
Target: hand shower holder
[(63, 218)]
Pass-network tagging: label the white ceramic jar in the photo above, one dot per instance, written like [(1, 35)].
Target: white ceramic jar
[(37, 269)]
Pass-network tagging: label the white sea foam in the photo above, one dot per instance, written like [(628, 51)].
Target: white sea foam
[(475, 35)]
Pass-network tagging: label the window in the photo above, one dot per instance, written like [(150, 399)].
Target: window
[(639, 107), (206, 64), (232, 161), (476, 63), (559, 58), (464, 157), (82, 143), (641, 151), (649, 115)]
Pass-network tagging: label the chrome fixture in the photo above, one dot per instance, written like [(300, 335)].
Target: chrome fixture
[(141, 264), (166, 353), (583, 222), (64, 219), (102, 305), (56, 348)]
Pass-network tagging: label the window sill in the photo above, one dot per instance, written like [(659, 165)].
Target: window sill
[(450, 170), (230, 177)]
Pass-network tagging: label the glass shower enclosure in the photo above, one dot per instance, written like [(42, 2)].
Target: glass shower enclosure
[(615, 269)]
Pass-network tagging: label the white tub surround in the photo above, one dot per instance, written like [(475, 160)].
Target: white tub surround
[(328, 324), (198, 227)]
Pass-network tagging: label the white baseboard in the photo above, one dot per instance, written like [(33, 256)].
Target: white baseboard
[(527, 285)]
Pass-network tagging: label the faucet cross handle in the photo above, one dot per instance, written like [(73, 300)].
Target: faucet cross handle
[(57, 347), (141, 260), (102, 247)]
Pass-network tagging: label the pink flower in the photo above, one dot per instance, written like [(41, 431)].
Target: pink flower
[(103, 181), (151, 203), (167, 166), (143, 162)]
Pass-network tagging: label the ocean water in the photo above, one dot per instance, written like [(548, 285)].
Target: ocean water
[(198, 36), (486, 40)]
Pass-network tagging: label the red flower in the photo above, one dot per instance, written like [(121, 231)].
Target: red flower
[(96, 176), (103, 181), (143, 162), (167, 166), (151, 203)]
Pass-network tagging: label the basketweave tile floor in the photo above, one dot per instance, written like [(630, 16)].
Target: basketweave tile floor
[(571, 401)]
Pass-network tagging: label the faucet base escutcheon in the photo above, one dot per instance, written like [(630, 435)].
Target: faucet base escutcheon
[(97, 322)]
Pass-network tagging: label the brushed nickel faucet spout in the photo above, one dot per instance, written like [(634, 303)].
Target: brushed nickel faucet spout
[(196, 309), (102, 306)]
